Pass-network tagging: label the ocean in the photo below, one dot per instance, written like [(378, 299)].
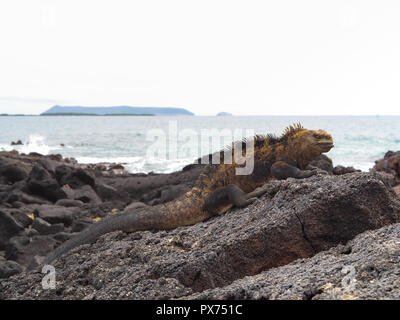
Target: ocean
[(165, 144)]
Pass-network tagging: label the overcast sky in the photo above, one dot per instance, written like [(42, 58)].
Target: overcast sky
[(243, 57)]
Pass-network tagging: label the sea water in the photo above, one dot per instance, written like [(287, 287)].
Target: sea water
[(358, 140)]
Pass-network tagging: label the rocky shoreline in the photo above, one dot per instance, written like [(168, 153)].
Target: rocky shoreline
[(294, 243)]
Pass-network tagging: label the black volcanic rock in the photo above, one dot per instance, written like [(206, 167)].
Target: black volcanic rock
[(9, 268), (9, 227), (12, 170), (292, 243), (16, 143), (74, 177), (40, 182), (57, 214), (86, 194), (295, 219), (109, 193), (28, 251), (371, 256), (22, 218), (44, 228)]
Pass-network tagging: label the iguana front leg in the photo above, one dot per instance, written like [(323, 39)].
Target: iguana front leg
[(221, 200), (283, 170)]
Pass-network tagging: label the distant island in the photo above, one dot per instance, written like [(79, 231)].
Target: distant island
[(222, 114), (114, 111), (94, 114)]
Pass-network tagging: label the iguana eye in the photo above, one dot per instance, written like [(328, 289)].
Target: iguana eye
[(318, 136)]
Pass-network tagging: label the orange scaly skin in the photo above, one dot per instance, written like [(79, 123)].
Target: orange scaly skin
[(219, 188)]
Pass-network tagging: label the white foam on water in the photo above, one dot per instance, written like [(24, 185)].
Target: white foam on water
[(141, 164), (6, 147), (122, 160), (36, 143)]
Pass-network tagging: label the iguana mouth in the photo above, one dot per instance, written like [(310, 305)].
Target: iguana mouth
[(326, 145)]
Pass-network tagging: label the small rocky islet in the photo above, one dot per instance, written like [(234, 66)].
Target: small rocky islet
[(295, 242)]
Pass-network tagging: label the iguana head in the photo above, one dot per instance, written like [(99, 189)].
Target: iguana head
[(317, 140), (305, 145)]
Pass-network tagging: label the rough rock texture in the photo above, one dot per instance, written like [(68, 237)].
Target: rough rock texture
[(367, 267), (8, 268), (27, 250), (324, 163), (294, 220), (47, 187)]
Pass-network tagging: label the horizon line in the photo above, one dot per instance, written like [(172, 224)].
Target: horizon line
[(214, 115)]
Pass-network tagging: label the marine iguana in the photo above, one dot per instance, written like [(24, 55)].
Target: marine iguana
[(218, 187)]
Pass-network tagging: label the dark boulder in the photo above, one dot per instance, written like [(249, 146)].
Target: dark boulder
[(9, 227), (12, 171), (362, 269), (109, 193), (22, 218), (57, 214), (40, 182), (49, 165), (16, 143), (29, 199), (86, 194), (20, 196), (35, 155), (29, 252), (44, 228), (8, 268), (295, 219), (74, 177)]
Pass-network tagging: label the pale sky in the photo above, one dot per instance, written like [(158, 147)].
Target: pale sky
[(244, 57)]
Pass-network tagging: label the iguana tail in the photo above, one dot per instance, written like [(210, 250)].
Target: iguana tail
[(90, 234), (161, 217)]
